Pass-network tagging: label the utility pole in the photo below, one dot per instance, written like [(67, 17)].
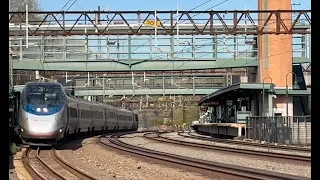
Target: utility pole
[(12, 98), (10, 70)]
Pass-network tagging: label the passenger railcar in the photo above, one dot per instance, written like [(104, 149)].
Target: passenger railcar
[(48, 114)]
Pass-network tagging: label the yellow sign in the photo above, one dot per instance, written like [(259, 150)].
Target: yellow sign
[(152, 23)]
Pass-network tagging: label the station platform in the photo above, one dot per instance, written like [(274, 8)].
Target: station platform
[(227, 129)]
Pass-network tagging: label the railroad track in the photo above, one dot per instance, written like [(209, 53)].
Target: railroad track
[(207, 167), (46, 164), (288, 158), (228, 141)]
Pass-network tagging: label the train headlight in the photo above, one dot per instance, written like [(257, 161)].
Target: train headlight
[(60, 130), (38, 110), (45, 109)]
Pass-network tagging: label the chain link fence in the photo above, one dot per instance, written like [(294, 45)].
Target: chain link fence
[(294, 130)]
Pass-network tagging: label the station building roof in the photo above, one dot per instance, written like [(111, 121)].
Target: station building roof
[(242, 89)]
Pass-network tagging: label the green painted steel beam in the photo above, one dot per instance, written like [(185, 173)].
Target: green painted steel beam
[(166, 76), (301, 60), (139, 65), (99, 92)]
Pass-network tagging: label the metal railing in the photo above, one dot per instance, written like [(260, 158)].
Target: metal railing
[(278, 129)]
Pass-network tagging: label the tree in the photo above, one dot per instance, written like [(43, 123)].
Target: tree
[(20, 6)]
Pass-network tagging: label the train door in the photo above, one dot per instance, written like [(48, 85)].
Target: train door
[(85, 117), (106, 119), (132, 120), (112, 119), (117, 120), (72, 120), (136, 121), (128, 123), (91, 115), (78, 118)]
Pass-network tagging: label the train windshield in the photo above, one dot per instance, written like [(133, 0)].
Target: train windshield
[(44, 94)]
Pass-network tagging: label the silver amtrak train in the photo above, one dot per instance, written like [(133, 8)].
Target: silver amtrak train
[(48, 114)]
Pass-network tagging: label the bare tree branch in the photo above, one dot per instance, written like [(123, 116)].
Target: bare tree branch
[(20, 5)]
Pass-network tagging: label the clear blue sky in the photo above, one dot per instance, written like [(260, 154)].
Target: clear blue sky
[(156, 4)]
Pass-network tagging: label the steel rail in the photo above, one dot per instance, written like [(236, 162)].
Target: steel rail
[(262, 154), (228, 141), (197, 164)]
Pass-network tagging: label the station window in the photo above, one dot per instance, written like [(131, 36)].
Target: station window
[(127, 82), (158, 82)]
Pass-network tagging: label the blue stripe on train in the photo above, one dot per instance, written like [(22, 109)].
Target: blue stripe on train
[(32, 109)]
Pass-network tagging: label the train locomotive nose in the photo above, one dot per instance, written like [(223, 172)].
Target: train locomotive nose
[(40, 128)]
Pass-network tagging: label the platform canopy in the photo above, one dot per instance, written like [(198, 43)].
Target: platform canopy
[(247, 89)]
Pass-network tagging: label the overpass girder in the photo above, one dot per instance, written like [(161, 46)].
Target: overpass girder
[(139, 65), (167, 25)]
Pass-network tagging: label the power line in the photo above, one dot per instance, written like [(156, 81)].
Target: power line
[(250, 61), (176, 16), (199, 46), (157, 35), (181, 21), (46, 38), (185, 20)]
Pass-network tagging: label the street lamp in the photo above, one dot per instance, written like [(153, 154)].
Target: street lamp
[(295, 86), (271, 89)]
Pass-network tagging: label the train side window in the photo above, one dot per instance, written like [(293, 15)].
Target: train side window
[(73, 112), (136, 116), (97, 115), (122, 117), (112, 115), (85, 114), (129, 118)]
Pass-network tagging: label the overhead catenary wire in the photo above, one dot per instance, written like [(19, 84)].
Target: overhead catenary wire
[(177, 16), (233, 59), (74, 2), (156, 33), (185, 20), (199, 46), (247, 62), (224, 1), (45, 37)]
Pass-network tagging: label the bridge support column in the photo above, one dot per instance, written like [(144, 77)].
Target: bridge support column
[(275, 51)]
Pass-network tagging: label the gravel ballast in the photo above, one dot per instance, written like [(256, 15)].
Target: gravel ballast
[(294, 169), (103, 163), (175, 136)]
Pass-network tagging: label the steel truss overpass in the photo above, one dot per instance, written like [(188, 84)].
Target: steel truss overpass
[(129, 40)]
